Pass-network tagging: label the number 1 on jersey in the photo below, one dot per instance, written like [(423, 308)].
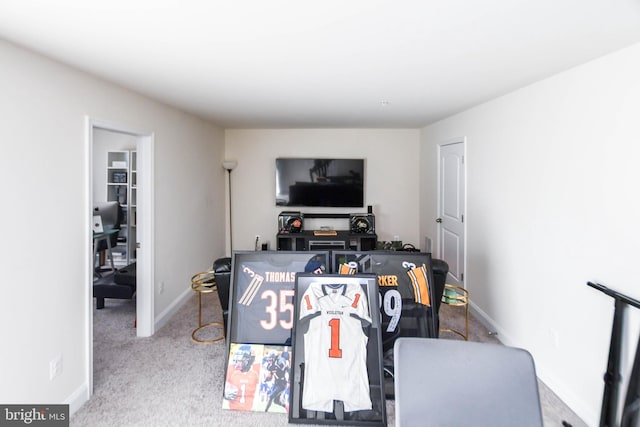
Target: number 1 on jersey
[(335, 351)]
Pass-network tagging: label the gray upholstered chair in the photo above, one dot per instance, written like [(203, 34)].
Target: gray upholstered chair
[(451, 383)]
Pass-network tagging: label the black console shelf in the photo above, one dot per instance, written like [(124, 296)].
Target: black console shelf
[(326, 215), (309, 240)]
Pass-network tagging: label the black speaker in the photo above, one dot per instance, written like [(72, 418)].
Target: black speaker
[(362, 223), (290, 222)]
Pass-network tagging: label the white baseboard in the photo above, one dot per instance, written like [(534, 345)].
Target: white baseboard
[(569, 398), (490, 324), (77, 398), (165, 316)]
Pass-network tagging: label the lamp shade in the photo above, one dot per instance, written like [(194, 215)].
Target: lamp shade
[(229, 164)]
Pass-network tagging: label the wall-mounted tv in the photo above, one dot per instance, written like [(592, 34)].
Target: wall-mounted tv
[(320, 182)]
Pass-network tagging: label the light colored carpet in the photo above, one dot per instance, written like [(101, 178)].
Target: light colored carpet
[(168, 380)]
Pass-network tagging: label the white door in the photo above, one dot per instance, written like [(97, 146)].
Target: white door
[(451, 201)]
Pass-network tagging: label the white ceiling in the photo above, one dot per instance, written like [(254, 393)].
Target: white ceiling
[(319, 64)]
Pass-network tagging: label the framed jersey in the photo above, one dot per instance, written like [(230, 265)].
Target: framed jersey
[(405, 282), (337, 351), (261, 295)]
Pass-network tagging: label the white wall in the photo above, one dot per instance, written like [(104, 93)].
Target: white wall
[(552, 179), (391, 187), (44, 252)]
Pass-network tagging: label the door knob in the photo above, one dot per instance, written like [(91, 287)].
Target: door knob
[(439, 220)]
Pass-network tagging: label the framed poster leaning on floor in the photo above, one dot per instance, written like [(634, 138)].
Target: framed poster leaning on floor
[(261, 317), (337, 351)]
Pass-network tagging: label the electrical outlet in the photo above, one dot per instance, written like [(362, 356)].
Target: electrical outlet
[(55, 367), (161, 287)]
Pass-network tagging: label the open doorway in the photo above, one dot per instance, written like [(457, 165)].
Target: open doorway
[(119, 167)]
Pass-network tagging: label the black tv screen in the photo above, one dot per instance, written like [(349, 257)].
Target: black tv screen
[(320, 182)]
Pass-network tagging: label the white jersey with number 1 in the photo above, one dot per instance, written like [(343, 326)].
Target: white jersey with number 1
[(335, 347)]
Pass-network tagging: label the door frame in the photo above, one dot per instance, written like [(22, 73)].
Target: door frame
[(463, 141), (145, 306)]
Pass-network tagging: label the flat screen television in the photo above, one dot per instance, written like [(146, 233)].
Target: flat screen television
[(320, 182)]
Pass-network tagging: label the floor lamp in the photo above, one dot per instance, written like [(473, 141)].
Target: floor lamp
[(229, 165)]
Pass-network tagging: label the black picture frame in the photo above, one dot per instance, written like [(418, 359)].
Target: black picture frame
[(376, 416), (260, 278), (391, 267), (401, 312)]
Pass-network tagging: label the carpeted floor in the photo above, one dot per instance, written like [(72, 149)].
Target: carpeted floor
[(168, 380)]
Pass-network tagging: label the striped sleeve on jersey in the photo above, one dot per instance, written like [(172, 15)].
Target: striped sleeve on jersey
[(420, 284)]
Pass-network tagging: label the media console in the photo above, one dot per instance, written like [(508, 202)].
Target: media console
[(292, 235), (310, 241)]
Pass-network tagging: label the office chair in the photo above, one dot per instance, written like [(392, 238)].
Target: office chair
[(111, 214), (450, 383)]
